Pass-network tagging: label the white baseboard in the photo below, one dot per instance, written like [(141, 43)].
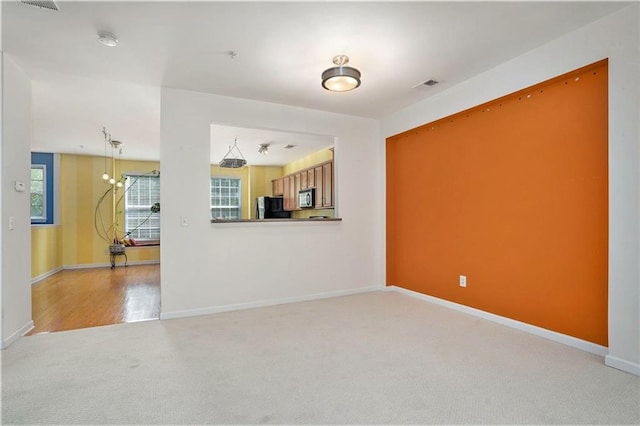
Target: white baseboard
[(90, 266), (45, 275), (264, 303), (621, 364), (532, 329), (17, 334), (108, 265)]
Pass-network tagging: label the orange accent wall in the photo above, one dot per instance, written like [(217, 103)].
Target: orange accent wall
[(514, 195)]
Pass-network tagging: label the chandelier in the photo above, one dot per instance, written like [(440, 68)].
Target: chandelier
[(115, 145), (234, 158)]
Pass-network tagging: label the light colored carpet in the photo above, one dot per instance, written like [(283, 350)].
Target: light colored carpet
[(370, 358)]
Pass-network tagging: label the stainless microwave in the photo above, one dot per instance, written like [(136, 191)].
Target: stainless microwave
[(306, 198)]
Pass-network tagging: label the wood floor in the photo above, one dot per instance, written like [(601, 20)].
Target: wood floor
[(83, 298)]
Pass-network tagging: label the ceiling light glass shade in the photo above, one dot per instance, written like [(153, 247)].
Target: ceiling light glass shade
[(105, 176), (341, 79)]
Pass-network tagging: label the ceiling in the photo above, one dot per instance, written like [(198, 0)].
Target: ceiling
[(280, 50), (249, 140)]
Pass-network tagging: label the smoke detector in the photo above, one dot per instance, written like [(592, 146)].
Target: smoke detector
[(107, 39)]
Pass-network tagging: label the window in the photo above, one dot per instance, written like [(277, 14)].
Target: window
[(225, 198), (141, 192), (38, 193), (41, 188)]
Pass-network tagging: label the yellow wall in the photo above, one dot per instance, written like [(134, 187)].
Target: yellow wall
[(142, 254), (46, 249), (81, 186), (260, 178), (307, 213), (308, 161)]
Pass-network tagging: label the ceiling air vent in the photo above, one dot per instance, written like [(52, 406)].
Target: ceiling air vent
[(44, 4)]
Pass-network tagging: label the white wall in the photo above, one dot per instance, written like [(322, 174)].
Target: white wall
[(209, 267), (615, 37), (16, 244)]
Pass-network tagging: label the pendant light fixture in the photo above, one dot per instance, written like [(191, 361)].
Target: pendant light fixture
[(233, 159), (341, 78), (114, 145), (107, 138)]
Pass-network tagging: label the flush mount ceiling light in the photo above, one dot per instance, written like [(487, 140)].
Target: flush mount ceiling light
[(107, 39), (340, 78), (264, 148)]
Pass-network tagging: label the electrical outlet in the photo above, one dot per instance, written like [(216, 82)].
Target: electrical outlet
[(463, 280), (184, 221)]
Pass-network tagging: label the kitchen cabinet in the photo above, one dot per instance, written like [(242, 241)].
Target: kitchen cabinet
[(317, 171), (327, 184), (310, 178), (287, 189), (277, 187), (319, 177), (296, 183), (293, 194)]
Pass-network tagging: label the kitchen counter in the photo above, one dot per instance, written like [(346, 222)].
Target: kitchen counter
[(328, 219)]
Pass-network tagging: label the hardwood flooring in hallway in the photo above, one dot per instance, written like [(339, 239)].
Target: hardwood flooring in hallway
[(82, 298)]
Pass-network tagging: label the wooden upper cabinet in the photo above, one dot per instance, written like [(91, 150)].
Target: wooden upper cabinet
[(286, 190), (319, 177), (310, 178), (297, 180), (317, 171), (277, 186), (293, 194), (327, 184)]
